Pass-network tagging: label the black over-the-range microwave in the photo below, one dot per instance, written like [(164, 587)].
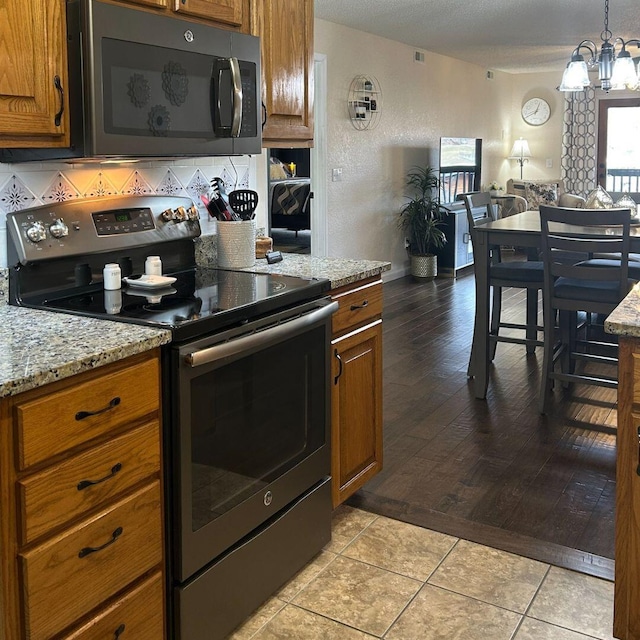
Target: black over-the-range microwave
[(148, 85)]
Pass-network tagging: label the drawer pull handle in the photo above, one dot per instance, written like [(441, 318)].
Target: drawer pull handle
[(83, 484), (337, 355), (360, 306), (638, 467), (85, 551), (119, 631), (114, 402)]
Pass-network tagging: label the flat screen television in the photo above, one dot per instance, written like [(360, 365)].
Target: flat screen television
[(460, 167)]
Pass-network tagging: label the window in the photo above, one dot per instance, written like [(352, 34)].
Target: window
[(619, 146), (460, 164)]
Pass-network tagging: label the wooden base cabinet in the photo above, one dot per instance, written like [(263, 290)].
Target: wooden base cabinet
[(81, 516), (626, 625), (356, 436)]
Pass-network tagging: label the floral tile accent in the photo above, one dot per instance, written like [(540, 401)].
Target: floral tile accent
[(198, 185), (136, 185), (170, 185), (15, 195), (243, 183), (59, 190), (228, 179), (100, 186)]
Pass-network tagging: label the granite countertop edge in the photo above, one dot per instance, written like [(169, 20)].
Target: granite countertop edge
[(625, 319), (40, 347)]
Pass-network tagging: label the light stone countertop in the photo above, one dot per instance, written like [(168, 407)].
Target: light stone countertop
[(38, 347), (340, 271), (625, 319)]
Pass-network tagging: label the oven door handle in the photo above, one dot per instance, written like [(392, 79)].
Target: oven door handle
[(261, 339)]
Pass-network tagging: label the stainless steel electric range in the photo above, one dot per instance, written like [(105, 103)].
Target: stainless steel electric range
[(246, 402)]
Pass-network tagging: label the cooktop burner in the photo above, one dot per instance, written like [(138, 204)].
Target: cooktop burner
[(211, 297)]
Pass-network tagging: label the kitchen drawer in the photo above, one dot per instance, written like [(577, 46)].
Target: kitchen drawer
[(71, 574), (63, 492), (64, 419), (357, 305), (138, 615)]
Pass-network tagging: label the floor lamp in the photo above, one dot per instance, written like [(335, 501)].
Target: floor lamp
[(520, 152)]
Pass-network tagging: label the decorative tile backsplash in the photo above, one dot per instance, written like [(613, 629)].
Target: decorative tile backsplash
[(33, 184)]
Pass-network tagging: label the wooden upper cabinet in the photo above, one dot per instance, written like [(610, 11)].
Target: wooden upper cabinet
[(33, 76), (286, 29), (232, 12)]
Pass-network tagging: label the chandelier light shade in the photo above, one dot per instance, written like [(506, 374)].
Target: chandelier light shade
[(615, 70), (520, 152)]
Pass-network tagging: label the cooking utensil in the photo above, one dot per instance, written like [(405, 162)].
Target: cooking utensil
[(244, 203)]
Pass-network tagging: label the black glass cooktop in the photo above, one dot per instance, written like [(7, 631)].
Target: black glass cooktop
[(199, 301)]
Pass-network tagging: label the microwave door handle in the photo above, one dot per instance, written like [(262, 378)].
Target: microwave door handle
[(236, 78)]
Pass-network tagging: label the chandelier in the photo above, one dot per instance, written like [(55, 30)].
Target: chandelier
[(615, 70)]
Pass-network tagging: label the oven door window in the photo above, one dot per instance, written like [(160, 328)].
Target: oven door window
[(252, 420), (155, 91)]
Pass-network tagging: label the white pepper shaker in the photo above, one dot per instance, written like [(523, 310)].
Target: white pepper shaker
[(111, 276), (153, 266)]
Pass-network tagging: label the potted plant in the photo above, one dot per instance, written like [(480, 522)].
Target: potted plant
[(494, 188), (421, 218)]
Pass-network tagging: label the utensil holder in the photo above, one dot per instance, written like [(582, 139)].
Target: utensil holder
[(236, 244)]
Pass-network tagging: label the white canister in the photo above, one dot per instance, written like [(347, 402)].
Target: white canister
[(111, 276), (236, 244), (153, 266)]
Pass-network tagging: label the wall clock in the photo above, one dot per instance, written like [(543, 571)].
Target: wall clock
[(536, 111)]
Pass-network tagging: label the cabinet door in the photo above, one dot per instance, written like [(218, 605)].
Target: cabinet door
[(226, 11), (356, 432), (33, 81), (286, 29)]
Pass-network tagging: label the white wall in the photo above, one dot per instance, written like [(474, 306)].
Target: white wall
[(421, 102)]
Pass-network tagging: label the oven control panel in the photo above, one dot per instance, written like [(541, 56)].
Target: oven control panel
[(78, 227)]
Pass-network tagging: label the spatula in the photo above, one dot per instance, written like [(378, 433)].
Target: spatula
[(244, 203)]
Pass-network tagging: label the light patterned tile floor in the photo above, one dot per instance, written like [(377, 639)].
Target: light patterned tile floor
[(380, 578)]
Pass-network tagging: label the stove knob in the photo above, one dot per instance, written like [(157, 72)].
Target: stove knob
[(36, 232), (59, 229), (166, 215), (180, 214), (192, 213)]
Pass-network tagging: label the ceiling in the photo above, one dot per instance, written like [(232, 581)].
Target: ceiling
[(506, 35)]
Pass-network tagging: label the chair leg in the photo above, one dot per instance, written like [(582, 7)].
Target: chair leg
[(496, 309), (547, 360), (568, 335), (532, 318)]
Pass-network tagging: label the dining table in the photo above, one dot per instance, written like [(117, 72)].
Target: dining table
[(519, 230)]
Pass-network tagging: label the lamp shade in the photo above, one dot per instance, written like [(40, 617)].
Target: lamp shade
[(520, 149)]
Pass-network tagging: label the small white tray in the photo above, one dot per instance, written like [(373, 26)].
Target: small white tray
[(149, 282)]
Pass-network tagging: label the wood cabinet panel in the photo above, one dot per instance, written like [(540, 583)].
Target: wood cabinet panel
[(356, 409), (138, 614), (64, 581), (358, 305), (60, 493), (57, 422), (286, 29), (33, 40), (227, 11)]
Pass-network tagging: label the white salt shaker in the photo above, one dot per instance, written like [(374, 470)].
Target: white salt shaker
[(153, 266), (111, 276)]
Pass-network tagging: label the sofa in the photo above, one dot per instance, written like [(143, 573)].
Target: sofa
[(531, 193)]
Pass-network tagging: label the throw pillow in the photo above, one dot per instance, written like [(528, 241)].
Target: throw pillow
[(599, 199), (537, 193)]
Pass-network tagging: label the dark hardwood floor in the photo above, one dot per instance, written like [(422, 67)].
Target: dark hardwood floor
[(492, 471)]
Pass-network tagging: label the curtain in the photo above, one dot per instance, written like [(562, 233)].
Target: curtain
[(579, 140)]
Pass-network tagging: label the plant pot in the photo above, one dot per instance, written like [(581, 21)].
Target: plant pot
[(424, 267)]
